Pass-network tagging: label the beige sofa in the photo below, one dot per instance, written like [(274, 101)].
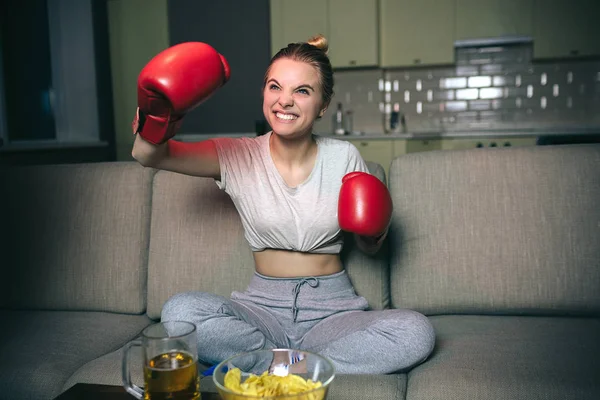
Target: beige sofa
[(499, 247)]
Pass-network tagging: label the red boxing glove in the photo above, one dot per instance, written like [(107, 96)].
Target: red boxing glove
[(365, 205), (173, 83)]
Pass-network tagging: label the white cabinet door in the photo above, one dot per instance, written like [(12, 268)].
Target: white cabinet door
[(493, 18), (414, 32), (296, 21), (379, 151), (350, 26), (565, 28), (353, 33)]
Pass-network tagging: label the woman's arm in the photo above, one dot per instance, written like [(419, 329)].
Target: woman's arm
[(173, 83), (196, 159)]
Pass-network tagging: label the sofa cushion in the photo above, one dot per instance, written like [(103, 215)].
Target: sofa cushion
[(42, 349), (371, 387), (506, 230), (75, 237), (198, 243), (505, 357), (107, 370)]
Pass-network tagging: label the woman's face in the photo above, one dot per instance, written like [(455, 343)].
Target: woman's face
[(292, 98)]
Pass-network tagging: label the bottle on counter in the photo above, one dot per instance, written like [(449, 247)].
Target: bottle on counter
[(396, 122), (349, 122), (338, 120)]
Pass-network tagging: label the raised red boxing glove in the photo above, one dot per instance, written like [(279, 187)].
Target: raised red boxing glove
[(365, 205), (173, 83)]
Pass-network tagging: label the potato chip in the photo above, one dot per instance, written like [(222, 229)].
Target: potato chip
[(267, 385), (233, 378)]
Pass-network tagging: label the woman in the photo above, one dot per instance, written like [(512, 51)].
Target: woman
[(300, 296)]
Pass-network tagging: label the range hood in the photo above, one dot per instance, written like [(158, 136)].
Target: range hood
[(493, 41)]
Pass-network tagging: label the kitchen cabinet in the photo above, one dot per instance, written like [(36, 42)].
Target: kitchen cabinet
[(564, 28), (376, 150), (383, 151), (418, 145), (350, 27), (296, 21), (471, 143), (415, 32), (493, 18), (405, 146), (399, 147), (353, 33)]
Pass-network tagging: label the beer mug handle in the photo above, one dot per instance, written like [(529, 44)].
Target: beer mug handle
[(130, 387)]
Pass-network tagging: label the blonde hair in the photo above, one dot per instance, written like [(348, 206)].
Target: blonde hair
[(320, 42), (313, 52)]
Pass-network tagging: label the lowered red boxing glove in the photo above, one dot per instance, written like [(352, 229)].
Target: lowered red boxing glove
[(364, 205), (173, 83)]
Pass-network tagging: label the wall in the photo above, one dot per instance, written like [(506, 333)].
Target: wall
[(138, 30), (240, 31), (490, 88)]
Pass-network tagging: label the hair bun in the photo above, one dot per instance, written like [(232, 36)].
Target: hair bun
[(320, 42)]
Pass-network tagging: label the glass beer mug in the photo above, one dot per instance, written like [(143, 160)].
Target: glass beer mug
[(170, 362)]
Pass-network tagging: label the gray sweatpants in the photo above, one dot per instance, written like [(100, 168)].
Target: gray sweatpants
[(319, 314)]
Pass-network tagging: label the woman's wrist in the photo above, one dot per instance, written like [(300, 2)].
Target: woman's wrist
[(374, 239), (371, 244)]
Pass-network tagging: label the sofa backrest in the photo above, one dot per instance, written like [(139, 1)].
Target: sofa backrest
[(197, 243), (506, 230), (74, 237)]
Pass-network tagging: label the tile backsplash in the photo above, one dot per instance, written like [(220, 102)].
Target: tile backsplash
[(489, 87)]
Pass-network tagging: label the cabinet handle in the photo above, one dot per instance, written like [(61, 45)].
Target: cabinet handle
[(574, 52), (417, 61), (364, 143), (352, 62)]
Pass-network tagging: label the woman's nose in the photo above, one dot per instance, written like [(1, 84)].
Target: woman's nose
[(286, 100)]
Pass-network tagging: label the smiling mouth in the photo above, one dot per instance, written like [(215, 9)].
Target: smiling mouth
[(285, 116)]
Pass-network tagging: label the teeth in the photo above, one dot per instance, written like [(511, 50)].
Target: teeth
[(288, 117)]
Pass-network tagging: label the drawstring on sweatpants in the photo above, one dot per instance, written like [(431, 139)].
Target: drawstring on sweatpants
[(312, 282)]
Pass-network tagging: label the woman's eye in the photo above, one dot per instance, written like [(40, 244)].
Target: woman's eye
[(303, 91), (273, 87)]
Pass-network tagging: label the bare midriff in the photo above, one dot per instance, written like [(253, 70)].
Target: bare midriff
[(292, 264)]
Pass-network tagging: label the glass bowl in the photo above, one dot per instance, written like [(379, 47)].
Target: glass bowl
[(277, 363)]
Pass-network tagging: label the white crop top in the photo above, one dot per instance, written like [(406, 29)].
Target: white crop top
[(275, 215)]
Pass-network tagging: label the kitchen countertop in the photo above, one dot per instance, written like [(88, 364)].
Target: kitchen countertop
[(190, 137), (194, 137), (471, 134)]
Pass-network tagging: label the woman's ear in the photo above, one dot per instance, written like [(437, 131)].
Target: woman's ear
[(322, 112)]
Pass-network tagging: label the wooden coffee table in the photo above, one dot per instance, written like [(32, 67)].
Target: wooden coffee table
[(87, 391)]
